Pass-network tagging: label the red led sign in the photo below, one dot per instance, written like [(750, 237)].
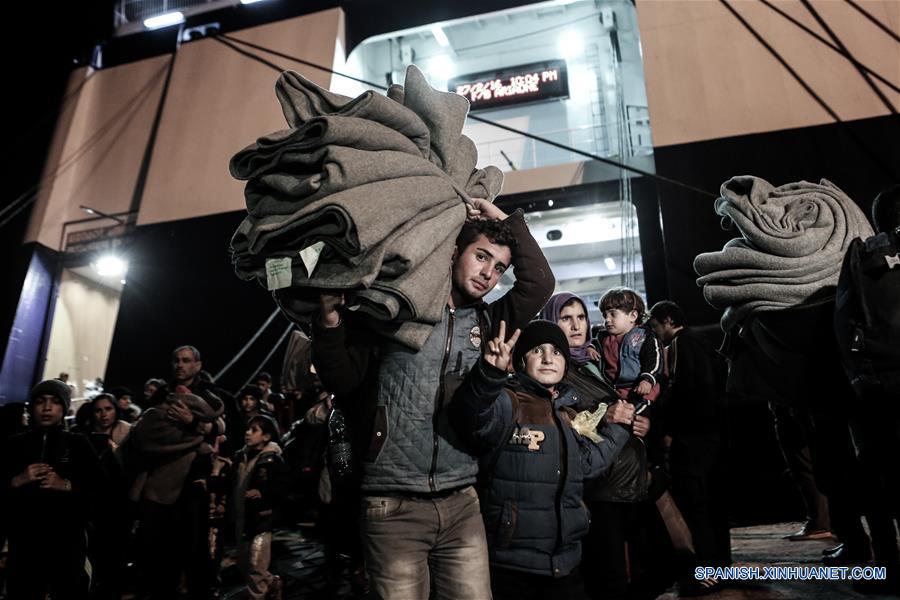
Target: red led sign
[(516, 85)]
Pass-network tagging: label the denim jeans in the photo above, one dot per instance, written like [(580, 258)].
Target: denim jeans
[(418, 548)]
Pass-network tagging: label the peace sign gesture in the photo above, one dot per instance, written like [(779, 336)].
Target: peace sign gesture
[(498, 352)]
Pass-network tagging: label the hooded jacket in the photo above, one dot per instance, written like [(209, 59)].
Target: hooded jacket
[(639, 357), (264, 471)]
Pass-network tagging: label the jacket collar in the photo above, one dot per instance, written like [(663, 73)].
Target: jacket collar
[(564, 397), (466, 308)]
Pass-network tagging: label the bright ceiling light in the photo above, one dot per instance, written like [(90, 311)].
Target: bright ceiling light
[(441, 67), (250, 1), (164, 20), (610, 263), (571, 44), (439, 70), (110, 266), (440, 36)]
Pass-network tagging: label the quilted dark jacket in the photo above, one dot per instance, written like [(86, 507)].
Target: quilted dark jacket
[(402, 396)]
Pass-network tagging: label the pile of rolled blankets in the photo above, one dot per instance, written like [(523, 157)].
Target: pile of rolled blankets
[(363, 196), (792, 244)]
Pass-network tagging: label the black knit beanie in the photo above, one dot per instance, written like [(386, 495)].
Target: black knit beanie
[(536, 333), (53, 387)]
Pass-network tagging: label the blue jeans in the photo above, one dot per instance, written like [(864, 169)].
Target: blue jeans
[(418, 548)]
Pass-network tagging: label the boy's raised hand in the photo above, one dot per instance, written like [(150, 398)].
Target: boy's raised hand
[(498, 351)]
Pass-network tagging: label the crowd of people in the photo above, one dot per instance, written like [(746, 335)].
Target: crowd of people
[(520, 453)]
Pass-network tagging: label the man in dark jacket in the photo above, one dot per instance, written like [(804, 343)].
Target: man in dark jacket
[(174, 533), (186, 371), (537, 458), (691, 421), (422, 527), (50, 477), (867, 324)]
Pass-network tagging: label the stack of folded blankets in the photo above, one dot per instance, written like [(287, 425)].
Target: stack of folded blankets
[(360, 195), (793, 242)]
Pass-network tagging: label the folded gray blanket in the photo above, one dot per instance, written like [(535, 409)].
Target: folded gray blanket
[(375, 185), (793, 242), (158, 453)]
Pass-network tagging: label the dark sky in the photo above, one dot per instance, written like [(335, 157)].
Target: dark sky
[(40, 44)]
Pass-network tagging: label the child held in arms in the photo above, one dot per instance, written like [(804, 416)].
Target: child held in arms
[(630, 354)]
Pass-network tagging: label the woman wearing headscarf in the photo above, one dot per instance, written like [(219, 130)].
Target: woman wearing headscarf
[(570, 312)]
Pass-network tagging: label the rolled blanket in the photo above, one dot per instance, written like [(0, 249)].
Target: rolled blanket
[(793, 240), (159, 451), (302, 100), (387, 294), (372, 188), (363, 188), (298, 166)]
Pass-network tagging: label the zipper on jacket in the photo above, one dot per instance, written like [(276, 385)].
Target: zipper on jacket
[(439, 400), (563, 475)]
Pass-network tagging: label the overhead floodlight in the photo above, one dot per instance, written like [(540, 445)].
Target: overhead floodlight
[(571, 44), (610, 263), (250, 1), (99, 213), (440, 36), (111, 265), (441, 67), (164, 20)]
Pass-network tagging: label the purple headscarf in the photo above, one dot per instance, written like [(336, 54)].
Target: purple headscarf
[(550, 312)]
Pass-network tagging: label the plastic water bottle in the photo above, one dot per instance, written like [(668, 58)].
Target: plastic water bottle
[(340, 454)]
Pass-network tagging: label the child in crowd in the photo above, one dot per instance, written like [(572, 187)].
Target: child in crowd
[(631, 361), (250, 405), (50, 479), (630, 354), (259, 485), (534, 461)]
